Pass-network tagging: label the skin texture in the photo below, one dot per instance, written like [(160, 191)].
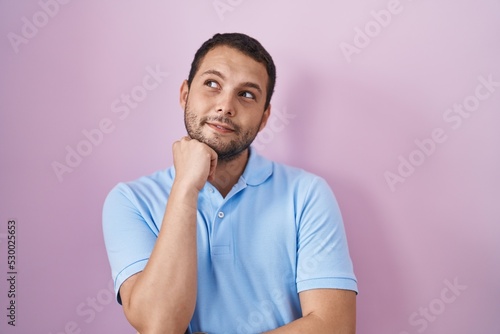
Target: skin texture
[(224, 111)]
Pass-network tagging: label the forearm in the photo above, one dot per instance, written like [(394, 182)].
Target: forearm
[(313, 324), (164, 296), (331, 311)]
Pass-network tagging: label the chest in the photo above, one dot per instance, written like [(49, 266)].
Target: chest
[(248, 232)]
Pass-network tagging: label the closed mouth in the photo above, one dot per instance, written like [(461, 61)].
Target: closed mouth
[(220, 126)]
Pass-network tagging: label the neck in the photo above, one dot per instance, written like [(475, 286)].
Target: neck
[(227, 173)]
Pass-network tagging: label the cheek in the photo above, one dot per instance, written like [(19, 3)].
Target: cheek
[(201, 103), (255, 123)]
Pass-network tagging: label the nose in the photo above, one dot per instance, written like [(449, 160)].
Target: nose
[(225, 105)]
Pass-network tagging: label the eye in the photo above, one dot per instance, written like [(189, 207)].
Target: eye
[(248, 95), (211, 84)]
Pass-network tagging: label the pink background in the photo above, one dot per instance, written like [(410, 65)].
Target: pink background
[(347, 117)]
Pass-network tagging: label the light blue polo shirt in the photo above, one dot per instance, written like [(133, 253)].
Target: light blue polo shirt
[(278, 232)]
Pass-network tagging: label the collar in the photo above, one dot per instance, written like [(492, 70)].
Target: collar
[(257, 170)]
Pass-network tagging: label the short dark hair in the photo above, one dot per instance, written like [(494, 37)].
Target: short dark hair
[(245, 44)]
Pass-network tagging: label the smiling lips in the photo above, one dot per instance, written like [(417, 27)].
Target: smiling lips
[(220, 127)]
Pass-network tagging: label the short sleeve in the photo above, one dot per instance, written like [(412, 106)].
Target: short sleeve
[(128, 238), (323, 259)]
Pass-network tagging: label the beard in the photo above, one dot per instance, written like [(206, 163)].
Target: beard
[(226, 150)]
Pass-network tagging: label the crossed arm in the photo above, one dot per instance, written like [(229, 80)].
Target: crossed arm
[(161, 299), (331, 311)]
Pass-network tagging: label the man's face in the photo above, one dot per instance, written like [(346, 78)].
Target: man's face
[(224, 107)]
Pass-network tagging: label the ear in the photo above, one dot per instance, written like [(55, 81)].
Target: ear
[(184, 92), (265, 117)]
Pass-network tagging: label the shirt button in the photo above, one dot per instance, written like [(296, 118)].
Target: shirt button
[(220, 214), (211, 190)]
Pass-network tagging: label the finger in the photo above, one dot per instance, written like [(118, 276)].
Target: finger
[(213, 164)]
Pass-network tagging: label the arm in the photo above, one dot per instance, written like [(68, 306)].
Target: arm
[(324, 311), (161, 298), (325, 276)]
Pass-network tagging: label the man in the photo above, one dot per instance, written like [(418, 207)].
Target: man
[(226, 241)]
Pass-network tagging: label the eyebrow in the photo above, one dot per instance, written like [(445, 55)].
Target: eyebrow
[(252, 85), (214, 72), (248, 84)]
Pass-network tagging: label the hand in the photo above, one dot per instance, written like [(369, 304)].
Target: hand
[(194, 162)]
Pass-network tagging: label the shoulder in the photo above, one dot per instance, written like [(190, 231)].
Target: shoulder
[(299, 178), (143, 191), (261, 168), (294, 184), (292, 172)]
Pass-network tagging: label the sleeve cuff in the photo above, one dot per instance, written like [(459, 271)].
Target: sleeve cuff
[(328, 283), (132, 269)]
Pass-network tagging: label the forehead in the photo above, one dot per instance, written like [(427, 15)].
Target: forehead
[(234, 64)]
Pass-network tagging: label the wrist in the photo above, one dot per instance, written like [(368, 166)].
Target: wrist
[(185, 190)]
